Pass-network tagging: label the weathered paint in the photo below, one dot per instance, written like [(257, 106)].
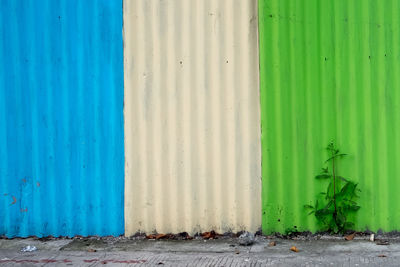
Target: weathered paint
[(61, 118), (192, 131), (329, 71)]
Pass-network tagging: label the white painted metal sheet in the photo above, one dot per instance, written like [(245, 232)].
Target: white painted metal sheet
[(192, 126)]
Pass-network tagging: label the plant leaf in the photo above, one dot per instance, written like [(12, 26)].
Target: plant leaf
[(323, 212), (348, 225), (330, 146), (341, 219), (342, 178), (342, 197), (348, 189), (335, 156), (353, 207), (329, 204), (328, 191), (335, 229), (323, 176)]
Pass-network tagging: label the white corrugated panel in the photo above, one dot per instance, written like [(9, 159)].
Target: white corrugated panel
[(192, 128)]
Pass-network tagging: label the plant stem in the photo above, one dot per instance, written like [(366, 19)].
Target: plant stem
[(334, 184)]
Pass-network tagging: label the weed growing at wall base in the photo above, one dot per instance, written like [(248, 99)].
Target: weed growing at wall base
[(339, 200)]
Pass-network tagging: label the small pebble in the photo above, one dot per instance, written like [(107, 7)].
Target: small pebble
[(246, 239), (28, 249)]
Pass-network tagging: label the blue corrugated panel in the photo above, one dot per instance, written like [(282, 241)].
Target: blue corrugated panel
[(61, 118)]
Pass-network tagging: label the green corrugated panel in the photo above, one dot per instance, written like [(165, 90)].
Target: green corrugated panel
[(330, 71)]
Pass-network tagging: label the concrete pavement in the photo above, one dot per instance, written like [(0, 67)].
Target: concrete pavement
[(198, 252)]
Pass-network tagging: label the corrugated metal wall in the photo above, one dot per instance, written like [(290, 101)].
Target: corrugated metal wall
[(61, 118), (192, 134), (330, 70)]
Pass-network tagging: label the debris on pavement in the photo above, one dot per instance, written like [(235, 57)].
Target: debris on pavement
[(91, 250), (246, 239), (46, 238), (210, 235), (350, 237), (372, 238), (226, 249), (184, 236), (28, 249), (157, 236), (180, 236), (382, 242), (85, 244)]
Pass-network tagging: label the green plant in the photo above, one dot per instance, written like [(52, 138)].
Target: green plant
[(339, 199)]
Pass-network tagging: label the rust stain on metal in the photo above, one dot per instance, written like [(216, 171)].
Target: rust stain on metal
[(210, 235), (14, 200), (157, 236), (180, 236)]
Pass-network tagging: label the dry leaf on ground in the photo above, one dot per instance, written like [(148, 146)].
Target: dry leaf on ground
[(272, 244), (294, 249), (210, 235), (159, 236), (350, 237)]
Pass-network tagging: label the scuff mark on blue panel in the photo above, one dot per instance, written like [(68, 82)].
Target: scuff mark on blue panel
[(61, 118)]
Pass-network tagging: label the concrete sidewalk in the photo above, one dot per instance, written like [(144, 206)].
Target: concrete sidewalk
[(198, 252)]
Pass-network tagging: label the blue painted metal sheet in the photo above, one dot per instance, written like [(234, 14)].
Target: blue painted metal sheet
[(61, 118)]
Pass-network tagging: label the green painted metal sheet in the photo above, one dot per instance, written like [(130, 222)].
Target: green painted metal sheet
[(330, 70)]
